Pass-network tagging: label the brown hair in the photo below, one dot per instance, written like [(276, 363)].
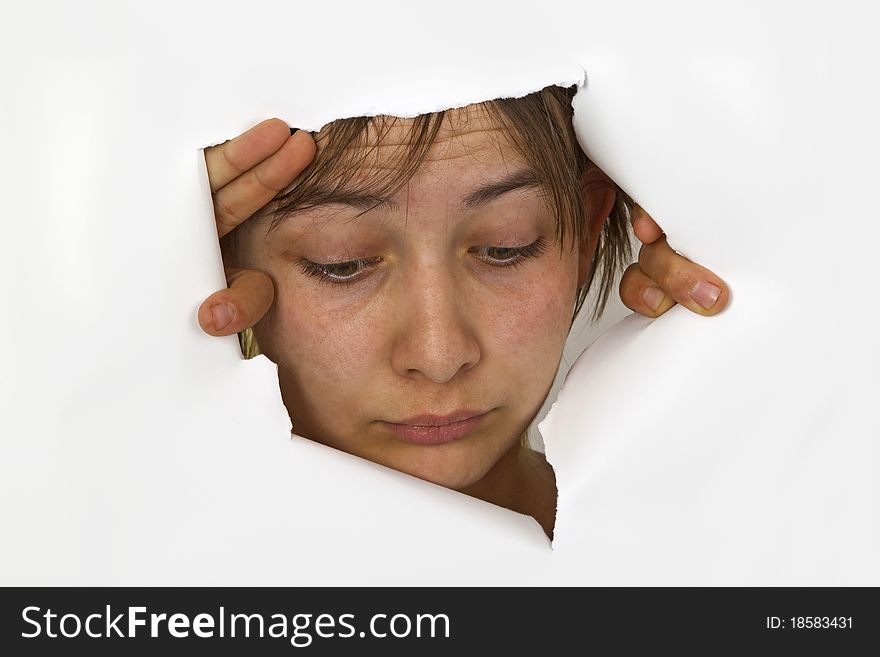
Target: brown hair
[(538, 126)]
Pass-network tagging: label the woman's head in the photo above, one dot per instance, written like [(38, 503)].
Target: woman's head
[(429, 266)]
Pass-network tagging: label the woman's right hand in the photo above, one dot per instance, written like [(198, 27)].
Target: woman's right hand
[(245, 174)]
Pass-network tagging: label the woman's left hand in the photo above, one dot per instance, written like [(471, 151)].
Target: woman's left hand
[(661, 278)]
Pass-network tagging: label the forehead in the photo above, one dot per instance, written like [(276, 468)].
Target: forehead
[(465, 131)]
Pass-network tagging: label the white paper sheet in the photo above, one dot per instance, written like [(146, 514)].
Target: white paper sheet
[(739, 449)]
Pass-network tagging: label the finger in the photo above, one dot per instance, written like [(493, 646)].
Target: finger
[(640, 293), (237, 201), (230, 159), (645, 228), (240, 306), (686, 282)]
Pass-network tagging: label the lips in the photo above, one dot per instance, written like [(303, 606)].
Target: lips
[(438, 429), (440, 420)]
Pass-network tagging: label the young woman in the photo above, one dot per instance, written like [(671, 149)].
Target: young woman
[(415, 280)]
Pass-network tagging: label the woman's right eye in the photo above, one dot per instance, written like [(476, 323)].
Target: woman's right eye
[(338, 273)]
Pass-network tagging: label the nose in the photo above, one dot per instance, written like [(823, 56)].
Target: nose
[(436, 329)]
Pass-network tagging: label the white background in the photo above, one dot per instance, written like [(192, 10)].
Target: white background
[(739, 449)]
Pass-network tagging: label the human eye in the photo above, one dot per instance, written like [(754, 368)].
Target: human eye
[(338, 273), (511, 256)]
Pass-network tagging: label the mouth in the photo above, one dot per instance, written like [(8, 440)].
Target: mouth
[(437, 430)]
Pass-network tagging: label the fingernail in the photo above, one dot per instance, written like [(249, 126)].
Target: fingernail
[(292, 130), (222, 314), (705, 294), (653, 297)]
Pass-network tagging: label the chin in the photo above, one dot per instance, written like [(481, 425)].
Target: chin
[(447, 472)]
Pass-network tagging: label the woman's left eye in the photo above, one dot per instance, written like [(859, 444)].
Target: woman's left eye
[(509, 256)]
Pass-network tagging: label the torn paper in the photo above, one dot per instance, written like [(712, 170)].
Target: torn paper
[(739, 449)]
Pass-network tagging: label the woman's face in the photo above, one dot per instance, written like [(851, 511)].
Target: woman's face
[(441, 315)]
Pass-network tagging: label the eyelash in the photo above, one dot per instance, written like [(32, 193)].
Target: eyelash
[(520, 255)]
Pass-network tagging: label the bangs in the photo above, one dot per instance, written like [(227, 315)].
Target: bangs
[(347, 148), (540, 130)]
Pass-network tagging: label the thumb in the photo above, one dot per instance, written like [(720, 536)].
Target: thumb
[(241, 305)]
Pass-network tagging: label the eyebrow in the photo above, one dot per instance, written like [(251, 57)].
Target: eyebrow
[(479, 196), (484, 194)]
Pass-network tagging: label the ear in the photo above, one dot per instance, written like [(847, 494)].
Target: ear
[(599, 197)]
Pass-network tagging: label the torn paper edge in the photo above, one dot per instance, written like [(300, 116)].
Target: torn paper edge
[(580, 80)]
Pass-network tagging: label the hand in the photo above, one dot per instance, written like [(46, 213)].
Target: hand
[(661, 278), (245, 174)]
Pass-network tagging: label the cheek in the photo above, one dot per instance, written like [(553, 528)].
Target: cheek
[(317, 339), (537, 314), (310, 331)]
